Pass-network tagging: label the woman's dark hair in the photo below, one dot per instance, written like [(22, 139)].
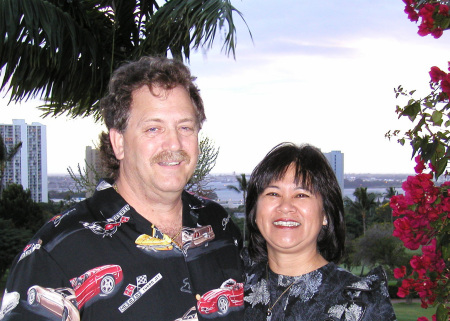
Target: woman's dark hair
[(147, 71), (313, 171)]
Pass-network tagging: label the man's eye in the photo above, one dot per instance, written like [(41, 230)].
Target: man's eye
[(153, 130), (186, 130)]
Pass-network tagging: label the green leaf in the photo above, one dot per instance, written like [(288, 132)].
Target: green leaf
[(445, 250), (436, 117), (441, 165), (411, 110), (441, 313)]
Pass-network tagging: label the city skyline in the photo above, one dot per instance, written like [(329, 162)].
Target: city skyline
[(316, 72)]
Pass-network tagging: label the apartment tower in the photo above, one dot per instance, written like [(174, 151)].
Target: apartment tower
[(336, 160), (29, 166)]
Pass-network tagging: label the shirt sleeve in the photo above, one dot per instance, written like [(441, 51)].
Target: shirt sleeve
[(37, 289), (378, 305)]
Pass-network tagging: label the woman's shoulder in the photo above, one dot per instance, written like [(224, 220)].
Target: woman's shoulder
[(372, 280)]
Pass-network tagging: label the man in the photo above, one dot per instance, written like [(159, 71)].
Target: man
[(140, 248)]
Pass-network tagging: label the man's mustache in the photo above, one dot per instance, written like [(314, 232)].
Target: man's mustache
[(170, 156)]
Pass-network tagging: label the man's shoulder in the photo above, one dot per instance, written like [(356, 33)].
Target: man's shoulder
[(65, 223), (203, 204)]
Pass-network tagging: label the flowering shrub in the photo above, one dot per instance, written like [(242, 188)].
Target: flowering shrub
[(424, 210), (434, 16), (424, 213)]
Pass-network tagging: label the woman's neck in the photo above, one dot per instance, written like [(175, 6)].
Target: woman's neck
[(295, 265)]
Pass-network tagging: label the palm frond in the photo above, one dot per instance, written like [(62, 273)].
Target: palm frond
[(64, 52)]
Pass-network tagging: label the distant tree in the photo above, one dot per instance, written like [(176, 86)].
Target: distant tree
[(379, 246), (239, 221), (65, 51), (353, 224), (86, 179), (241, 188), (5, 157), (17, 205), (52, 208), (363, 203), (390, 191), (348, 260), (198, 184), (12, 242)]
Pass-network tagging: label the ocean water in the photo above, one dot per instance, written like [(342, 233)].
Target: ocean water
[(229, 196)]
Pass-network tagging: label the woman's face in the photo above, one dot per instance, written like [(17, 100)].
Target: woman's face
[(289, 216)]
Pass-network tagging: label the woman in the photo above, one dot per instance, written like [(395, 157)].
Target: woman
[(295, 217)]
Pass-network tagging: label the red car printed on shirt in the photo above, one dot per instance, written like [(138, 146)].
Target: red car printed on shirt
[(230, 294), (98, 281)]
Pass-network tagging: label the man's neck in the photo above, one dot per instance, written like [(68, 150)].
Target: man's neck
[(164, 210)]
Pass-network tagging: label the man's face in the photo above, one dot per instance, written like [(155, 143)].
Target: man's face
[(159, 149)]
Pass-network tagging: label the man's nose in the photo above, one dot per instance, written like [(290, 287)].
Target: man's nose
[(172, 140)]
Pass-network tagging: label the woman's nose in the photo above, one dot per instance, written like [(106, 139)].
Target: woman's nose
[(286, 206)]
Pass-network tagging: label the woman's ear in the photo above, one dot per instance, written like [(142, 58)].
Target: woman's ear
[(116, 138)]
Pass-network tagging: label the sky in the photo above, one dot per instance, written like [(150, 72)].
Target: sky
[(316, 72)]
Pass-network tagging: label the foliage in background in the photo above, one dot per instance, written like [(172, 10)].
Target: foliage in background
[(425, 208), (198, 184), (86, 179), (17, 205), (12, 241), (242, 187), (364, 202), (20, 218), (65, 51), (379, 246)]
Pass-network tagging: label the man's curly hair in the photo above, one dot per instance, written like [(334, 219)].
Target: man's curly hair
[(115, 106)]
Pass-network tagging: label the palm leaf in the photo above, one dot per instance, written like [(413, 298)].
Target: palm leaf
[(63, 52)]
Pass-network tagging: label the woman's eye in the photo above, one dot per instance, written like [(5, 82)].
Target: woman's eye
[(302, 195), (272, 194)]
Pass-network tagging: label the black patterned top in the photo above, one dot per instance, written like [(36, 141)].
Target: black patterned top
[(329, 293), (101, 260)]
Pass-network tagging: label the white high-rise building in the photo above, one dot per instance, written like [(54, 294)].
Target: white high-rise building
[(336, 160), (29, 166)]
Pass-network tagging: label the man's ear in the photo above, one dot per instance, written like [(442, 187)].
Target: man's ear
[(116, 139)]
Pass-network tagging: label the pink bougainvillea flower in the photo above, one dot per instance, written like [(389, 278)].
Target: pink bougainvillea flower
[(402, 292), (445, 85), (412, 14), (437, 74), (437, 32), (420, 164), (424, 30), (400, 272), (443, 10)]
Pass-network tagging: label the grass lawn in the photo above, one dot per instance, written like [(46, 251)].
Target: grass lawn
[(411, 311)]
